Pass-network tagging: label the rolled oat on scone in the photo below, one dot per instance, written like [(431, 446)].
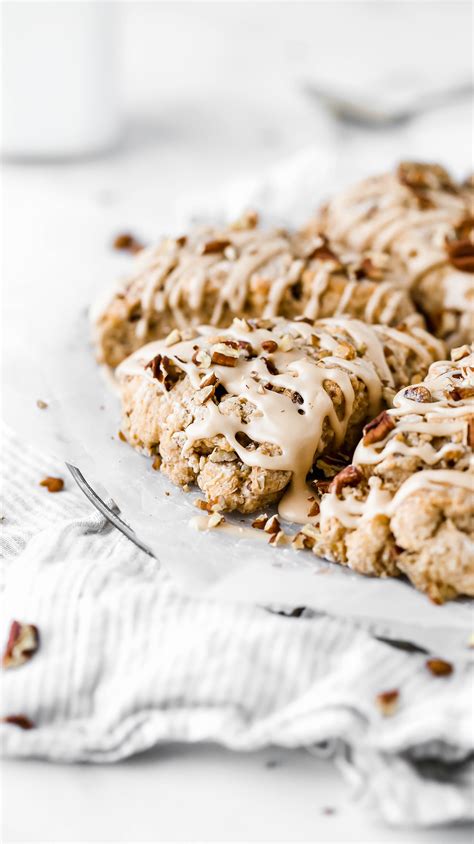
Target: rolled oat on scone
[(216, 274), (424, 218), (245, 412), (411, 509)]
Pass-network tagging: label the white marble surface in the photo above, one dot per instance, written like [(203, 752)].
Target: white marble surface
[(211, 92)]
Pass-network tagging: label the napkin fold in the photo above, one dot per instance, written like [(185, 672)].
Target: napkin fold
[(126, 661)]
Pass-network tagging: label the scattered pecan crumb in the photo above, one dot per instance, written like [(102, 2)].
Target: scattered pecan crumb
[(213, 246), (215, 520), (127, 242), (201, 504), (387, 702), (53, 484), (378, 428), (23, 642), (418, 393), (350, 476), (277, 538), (439, 667), (122, 436), (182, 240), (156, 463), (313, 510), (272, 525), (41, 404), (19, 721), (260, 522)]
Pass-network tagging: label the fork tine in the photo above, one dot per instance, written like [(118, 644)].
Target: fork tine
[(106, 511)]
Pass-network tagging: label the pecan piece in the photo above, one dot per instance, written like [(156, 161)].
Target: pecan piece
[(269, 346), (260, 522), (418, 393), (461, 255), (162, 369), (378, 428), (23, 642), (127, 242), (350, 476), (439, 667), (272, 525), (53, 484), (461, 393), (213, 246), (387, 702), (19, 721), (470, 432), (222, 359)]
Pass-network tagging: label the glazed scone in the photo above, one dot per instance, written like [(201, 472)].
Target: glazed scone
[(214, 275), (406, 503), (245, 412), (422, 217)]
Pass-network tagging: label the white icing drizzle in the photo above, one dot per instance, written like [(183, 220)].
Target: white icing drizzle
[(292, 422), (179, 277), (434, 423)]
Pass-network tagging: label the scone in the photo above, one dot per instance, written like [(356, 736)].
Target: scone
[(214, 275), (246, 412), (405, 505), (422, 217)]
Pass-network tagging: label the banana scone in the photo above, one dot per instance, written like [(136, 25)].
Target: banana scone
[(214, 275), (405, 505), (424, 218), (247, 411)]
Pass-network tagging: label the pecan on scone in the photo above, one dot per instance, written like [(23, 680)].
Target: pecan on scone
[(245, 412), (411, 510), (216, 274), (424, 218)]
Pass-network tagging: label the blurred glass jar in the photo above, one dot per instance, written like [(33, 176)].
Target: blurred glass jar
[(59, 79)]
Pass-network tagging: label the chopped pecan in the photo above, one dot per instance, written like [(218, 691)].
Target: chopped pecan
[(23, 642), (182, 240), (350, 476), (221, 359), (260, 522), (19, 721), (156, 463), (439, 667), (277, 538), (314, 509), (378, 428), (127, 242), (470, 432), (461, 255), (461, 393), (209, 380), (321, 486), (163, 370), (418, 393), (269, 346), (272, 525), (122, 436), (213, 246), (53, 484), (201, 504), (387, 702), (215, 520), (322, 251), (270, 366), (41, 404)]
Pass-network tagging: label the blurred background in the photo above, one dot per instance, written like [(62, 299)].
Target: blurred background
[(140, 114)]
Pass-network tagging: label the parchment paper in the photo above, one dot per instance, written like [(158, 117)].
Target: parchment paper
[(52, 360)]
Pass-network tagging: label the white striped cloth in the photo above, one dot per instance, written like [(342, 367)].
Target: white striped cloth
[(125, 661)]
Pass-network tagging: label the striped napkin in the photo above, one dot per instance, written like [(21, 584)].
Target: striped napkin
[(126, 661)]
